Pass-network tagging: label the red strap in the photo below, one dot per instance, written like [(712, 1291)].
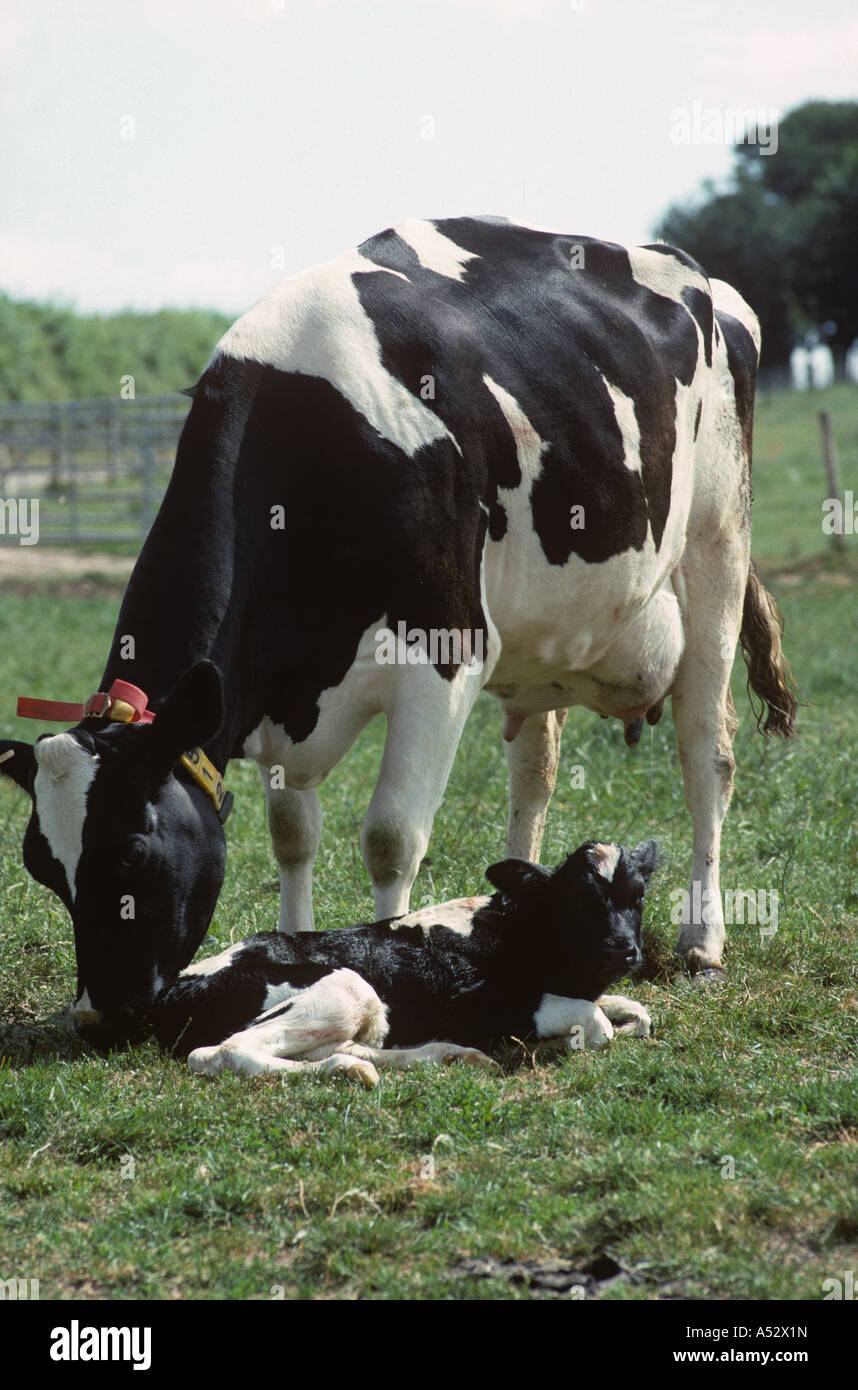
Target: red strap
[(98, 705), (135, 697), (48, 709)]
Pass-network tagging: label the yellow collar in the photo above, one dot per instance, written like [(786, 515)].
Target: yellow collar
[(206, 775)]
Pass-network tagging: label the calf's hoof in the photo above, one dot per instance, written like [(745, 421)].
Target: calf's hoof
[(641, 1026), (353, 1068), (442, 1054), (598, 1033), (207, 1060), (626, 1015), (472, 1058)]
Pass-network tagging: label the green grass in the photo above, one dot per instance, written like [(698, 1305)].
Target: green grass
[(317, 1189), (788, 466)]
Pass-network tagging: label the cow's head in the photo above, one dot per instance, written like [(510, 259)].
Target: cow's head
[(135, 851), (586, 911)]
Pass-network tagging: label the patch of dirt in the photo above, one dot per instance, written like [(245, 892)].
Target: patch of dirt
[(23, 565), (838, 571), (551, 1278), (24, 1040)]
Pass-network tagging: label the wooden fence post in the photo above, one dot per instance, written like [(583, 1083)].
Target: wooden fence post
[(832, 471)]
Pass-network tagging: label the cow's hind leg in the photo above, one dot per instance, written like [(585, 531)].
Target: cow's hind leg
[(532, 759), (295, 823), (710, 587), (311, 1031)]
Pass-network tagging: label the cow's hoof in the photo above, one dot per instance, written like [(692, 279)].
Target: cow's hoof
[(699, 960), (710, 975)]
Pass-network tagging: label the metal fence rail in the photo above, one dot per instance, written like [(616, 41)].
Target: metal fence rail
[(97, 468)]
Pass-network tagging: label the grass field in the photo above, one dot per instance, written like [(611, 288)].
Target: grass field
[(717, 1160)]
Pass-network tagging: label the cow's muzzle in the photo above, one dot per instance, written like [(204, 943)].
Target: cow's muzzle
[(113, 1030)]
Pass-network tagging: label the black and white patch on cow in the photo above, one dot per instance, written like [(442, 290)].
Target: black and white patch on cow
[(448, 983), (536, 441), (61, 787)]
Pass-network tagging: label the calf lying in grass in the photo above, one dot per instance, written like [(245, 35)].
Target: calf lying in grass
[(441, 984)]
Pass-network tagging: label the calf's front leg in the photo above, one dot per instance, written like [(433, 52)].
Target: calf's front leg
[(626, 1015), (577, 1021)]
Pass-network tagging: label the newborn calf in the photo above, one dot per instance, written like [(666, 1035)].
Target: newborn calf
[(445, 983)]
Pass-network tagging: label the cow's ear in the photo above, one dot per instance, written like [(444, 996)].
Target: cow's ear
[(513, 877), (18, 761), (190, 716), (645, 858)]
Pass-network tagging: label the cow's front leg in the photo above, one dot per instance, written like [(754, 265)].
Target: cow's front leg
[(295, 823), (424, 725), (532, 758)]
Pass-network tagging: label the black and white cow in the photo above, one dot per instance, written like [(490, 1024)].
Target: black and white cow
[(532, 447), (444, 984)]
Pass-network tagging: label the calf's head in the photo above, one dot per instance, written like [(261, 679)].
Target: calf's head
[(135, 852), (584, 915)]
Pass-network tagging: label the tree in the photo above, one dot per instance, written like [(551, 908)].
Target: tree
[(785, 232)]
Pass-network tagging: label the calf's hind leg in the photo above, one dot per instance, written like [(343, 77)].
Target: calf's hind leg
[(309, 1032), (429, 1054)]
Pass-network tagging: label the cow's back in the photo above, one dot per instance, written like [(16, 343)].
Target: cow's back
[(462, 425)]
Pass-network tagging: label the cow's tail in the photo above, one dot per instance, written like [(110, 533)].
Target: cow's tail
[(769, 675)]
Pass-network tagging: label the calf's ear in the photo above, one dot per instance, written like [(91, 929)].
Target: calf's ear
[(645, 858), (190, 716), (18, 761), (512, 877)]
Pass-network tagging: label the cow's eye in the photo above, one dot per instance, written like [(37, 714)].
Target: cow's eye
[(132, 854)]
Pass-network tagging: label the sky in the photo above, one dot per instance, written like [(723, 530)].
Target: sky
[(192, 152)]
